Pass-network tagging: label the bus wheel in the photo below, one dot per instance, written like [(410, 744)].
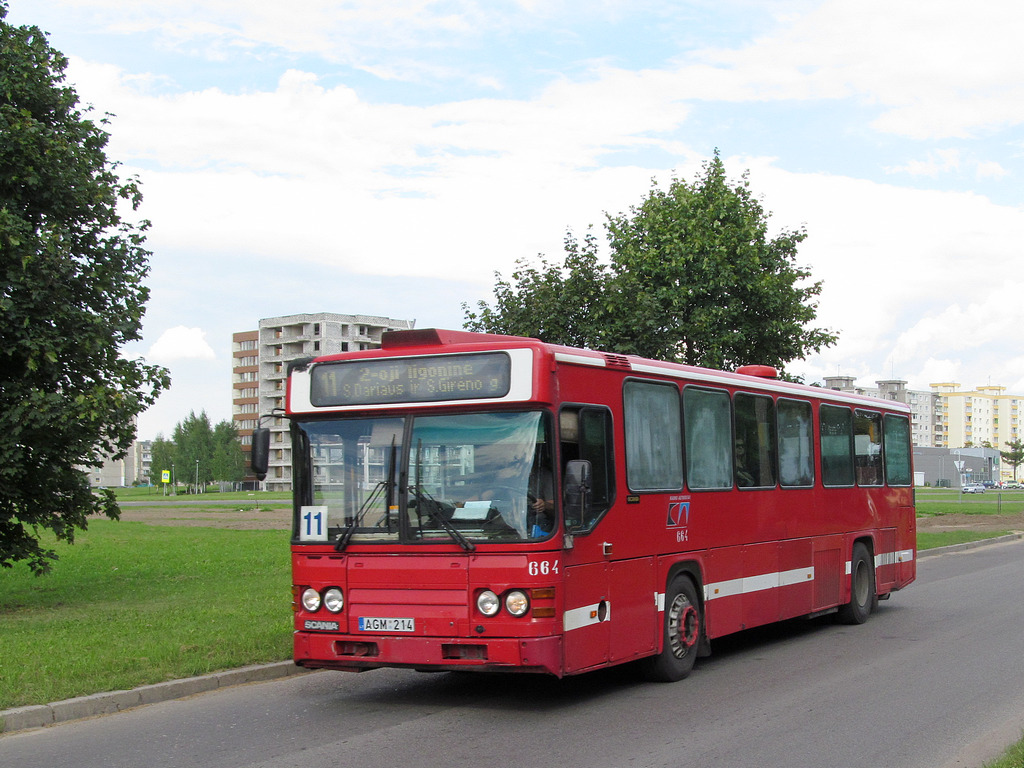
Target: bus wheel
[(862, 587), (682, 633)]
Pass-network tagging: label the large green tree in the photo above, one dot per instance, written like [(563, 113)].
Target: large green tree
[(72, 267), (693, 277)]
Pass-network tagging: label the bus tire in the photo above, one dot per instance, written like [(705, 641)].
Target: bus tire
[(681, 630), (862, 587)]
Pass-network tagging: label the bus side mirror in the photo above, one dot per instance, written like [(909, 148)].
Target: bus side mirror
[(259, 459), (577, 492)]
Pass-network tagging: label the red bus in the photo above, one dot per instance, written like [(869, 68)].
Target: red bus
[(470, 501)]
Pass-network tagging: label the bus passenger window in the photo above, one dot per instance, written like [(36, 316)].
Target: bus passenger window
[(836, 425), (755, 441), (796, 445), (707, 428), (867, 440), (586, 434), (654, 438), (897, 450)]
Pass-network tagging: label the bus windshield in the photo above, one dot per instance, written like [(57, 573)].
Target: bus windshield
[(462, 477)]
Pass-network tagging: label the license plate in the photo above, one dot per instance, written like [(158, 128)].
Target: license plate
[(379, 624)]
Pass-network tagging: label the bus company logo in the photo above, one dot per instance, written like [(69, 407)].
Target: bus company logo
[(328, 625), (678, 514)]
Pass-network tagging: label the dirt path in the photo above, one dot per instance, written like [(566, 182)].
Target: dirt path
[(961, 522), (268, 518)]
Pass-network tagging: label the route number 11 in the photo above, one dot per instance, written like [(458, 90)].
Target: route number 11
[(313, 523)]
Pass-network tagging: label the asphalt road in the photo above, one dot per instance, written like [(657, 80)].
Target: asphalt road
[(934, 679)]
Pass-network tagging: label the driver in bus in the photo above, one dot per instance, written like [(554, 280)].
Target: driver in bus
[(541, 496)]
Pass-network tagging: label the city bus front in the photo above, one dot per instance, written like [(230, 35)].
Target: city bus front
[(427, 526)]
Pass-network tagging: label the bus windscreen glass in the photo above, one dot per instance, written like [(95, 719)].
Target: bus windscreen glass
[(411, 380)]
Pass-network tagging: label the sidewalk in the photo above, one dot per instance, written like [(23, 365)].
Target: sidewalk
[(40, 715)]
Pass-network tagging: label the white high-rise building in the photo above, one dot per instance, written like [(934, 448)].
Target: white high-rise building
[(260, 370)]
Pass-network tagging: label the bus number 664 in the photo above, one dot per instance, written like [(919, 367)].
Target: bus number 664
[(542, 567)]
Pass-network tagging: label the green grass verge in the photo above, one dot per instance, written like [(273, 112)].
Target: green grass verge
[(1013, 758), (969, 507), (131, 604), (931, 540)]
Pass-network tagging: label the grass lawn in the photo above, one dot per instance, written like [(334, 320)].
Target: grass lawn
[(131, 604)]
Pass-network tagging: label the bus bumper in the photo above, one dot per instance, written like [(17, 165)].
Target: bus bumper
[(357, 653)]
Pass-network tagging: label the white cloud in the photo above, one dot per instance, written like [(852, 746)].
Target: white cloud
[(949, 72), (911, 277), (180, 343), (321, 175)]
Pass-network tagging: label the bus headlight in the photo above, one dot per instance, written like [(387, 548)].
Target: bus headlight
[(311, 600), (517, 603), (334, 600), (488, 603)]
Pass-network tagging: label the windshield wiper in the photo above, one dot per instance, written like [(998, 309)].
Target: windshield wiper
[(346, 535), (433, 507), (425, 501), (386, 486)]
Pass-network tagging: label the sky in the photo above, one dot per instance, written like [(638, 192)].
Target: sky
[(388, 157)]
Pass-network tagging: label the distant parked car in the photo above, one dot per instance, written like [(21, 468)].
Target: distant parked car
[(974, 488)]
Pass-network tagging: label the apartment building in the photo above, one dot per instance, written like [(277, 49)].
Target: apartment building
[(260, 367), (984, 415), (245, 385)]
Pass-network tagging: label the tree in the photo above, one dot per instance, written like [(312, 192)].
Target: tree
[(1015, 456), (161, 459), (228, 460), (693, 278), (538, 305), (215, 452), (193, 450), (71, 296)]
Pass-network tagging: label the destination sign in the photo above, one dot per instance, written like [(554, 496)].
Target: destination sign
[(411, 380)]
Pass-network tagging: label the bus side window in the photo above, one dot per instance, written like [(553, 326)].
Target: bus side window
[(897, 450), (796, 444), (836, 425), (707, 432), (586, 434), (867, 437), (654, 438), (754, 443)]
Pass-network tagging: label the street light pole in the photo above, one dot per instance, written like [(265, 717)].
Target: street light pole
[(197, 477)]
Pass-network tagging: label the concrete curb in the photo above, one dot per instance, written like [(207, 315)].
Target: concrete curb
[(40, 715)]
